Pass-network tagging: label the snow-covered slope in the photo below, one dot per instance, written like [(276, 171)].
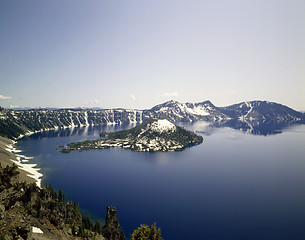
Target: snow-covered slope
[(185, 112), (258, 110), (162, 125)]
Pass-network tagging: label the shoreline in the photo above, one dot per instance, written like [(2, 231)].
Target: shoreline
[(28, 171), (9, 154), (22, 162)]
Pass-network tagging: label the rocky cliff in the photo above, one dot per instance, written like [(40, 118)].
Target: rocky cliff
[(112, 228)]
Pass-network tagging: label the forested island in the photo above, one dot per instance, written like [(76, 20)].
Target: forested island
[(153, 135)]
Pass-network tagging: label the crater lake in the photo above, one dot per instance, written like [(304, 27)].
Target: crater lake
[(235, 185)]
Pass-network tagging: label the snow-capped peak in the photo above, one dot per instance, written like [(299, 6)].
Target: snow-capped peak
[(162, 125)]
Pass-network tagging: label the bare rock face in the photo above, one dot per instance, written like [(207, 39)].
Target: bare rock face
[(112, 229)]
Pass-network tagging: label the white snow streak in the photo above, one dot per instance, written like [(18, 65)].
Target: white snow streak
[(36, 230)]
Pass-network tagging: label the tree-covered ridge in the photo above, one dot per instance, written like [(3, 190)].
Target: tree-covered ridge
[(28, 202), (152, 136), (24, 206)]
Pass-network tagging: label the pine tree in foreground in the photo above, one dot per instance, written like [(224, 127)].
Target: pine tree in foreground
[(145, 232)]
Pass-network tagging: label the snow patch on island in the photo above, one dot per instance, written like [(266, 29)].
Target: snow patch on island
[(162, 125)]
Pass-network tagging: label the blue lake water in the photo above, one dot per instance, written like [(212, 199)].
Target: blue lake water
[(232, 186)]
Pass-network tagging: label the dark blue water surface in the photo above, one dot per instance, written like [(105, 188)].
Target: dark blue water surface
[(233, 186)]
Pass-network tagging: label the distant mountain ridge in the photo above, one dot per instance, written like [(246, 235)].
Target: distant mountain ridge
[(15, 123), (262, 110)]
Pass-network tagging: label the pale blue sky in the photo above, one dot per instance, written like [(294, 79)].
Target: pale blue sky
[(136, 54)]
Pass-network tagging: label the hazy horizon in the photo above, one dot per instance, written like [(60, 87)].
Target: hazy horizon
[(102, 108), (135, 54)]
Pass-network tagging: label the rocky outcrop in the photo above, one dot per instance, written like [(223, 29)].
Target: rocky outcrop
[(112, 229)]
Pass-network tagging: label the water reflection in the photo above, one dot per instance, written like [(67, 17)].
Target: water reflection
[(202, 127), (80, 131), (262, 127)]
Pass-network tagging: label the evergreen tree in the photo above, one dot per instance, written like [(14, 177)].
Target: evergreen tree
[(145, 232), (87, 223), (61, 196), (97, 227)]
